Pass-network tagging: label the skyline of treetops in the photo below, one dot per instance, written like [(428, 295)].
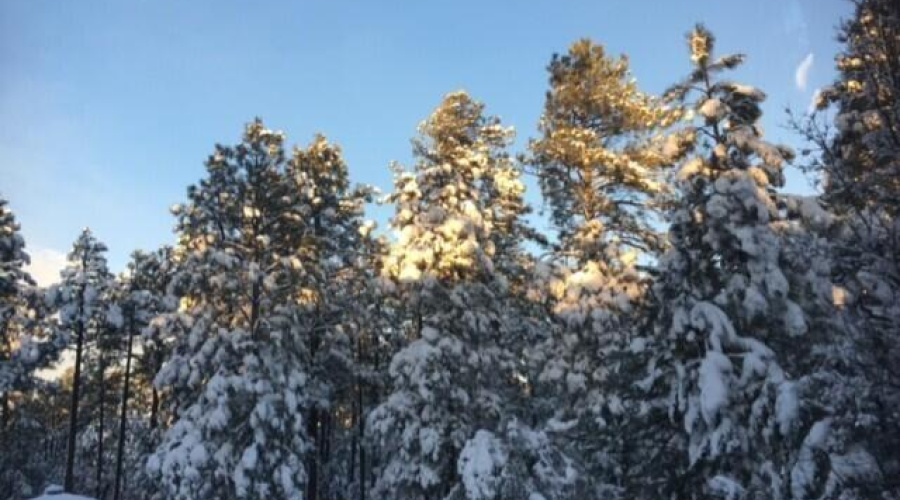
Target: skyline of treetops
[(661, 317)]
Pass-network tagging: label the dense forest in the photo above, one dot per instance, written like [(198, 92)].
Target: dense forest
[(687, 330)]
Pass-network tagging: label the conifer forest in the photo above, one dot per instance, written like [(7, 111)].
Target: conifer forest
[(686, 330)]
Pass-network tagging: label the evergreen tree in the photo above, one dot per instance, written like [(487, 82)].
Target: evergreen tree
[(453, 382), (81, 299), (248, 380), (238, 375), (600, 159), (330, 249), (158, 272), (140, 297), (857, 158), (13, 282), (600, 163), (28, 342), (726, 313), (859, 162)]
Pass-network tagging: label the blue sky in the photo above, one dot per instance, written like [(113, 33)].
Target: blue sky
[(108, 108)]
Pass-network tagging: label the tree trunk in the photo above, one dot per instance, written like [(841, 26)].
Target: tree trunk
[(154, 396), (361, 425), (154, 408), (4, 413), (313, 462), (69, 484), (100, 429), (123, 416)]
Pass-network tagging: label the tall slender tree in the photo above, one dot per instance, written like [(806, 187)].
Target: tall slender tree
[(601, 163), (330, 249), (80, 298), (141, 296)]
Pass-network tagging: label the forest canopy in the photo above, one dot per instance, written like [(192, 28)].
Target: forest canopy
[(686, 329)]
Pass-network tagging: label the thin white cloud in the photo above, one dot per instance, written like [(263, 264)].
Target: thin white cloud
[(46, 264), (801, 76)]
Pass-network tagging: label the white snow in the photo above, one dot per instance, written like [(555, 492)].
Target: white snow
[(726, 487), (55, 492), (481, 464), (714, 371), (713, 109)]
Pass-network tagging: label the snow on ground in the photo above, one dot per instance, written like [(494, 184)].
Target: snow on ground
[(55, 492), (62, 496)]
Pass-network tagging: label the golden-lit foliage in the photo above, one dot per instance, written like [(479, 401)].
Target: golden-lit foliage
[(446, 220), (603, 148), (861, 166)]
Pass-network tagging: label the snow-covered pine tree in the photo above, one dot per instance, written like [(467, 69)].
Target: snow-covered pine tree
[(158, 272), (837, 400), (13, 282), (726, 317), (331, 246), (103, 350), (238, 377), (443, 429), (81, 299), (860, 163), (28, 342), (140, 297), (371, 345), (262, 239), (601, 165), (600, 159), (858, 159)]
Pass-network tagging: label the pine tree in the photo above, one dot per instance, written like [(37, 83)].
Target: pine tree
[(28, 342), (80, 297), (601, 164), (140, 297), (726, 313), (333, 210), (238, 376), (104, 348), (13, 282), (859, 162), (857, 158), (453, 382), (600, 159), (158, 273), (263, 238)]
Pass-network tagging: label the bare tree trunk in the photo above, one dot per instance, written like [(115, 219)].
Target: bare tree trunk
[(100, 430), (313, 462), (69, 484), (4, 413), (154, 394), (123, 416), (361, 425)]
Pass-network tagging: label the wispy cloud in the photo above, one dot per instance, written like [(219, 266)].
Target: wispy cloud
[(801, 75), (46, 264)]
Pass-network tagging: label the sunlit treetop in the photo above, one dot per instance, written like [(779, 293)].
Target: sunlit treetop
[(861, 161), (601, 155), (462, 199)]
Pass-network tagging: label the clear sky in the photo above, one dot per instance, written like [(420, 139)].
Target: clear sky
[(109, 108)]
